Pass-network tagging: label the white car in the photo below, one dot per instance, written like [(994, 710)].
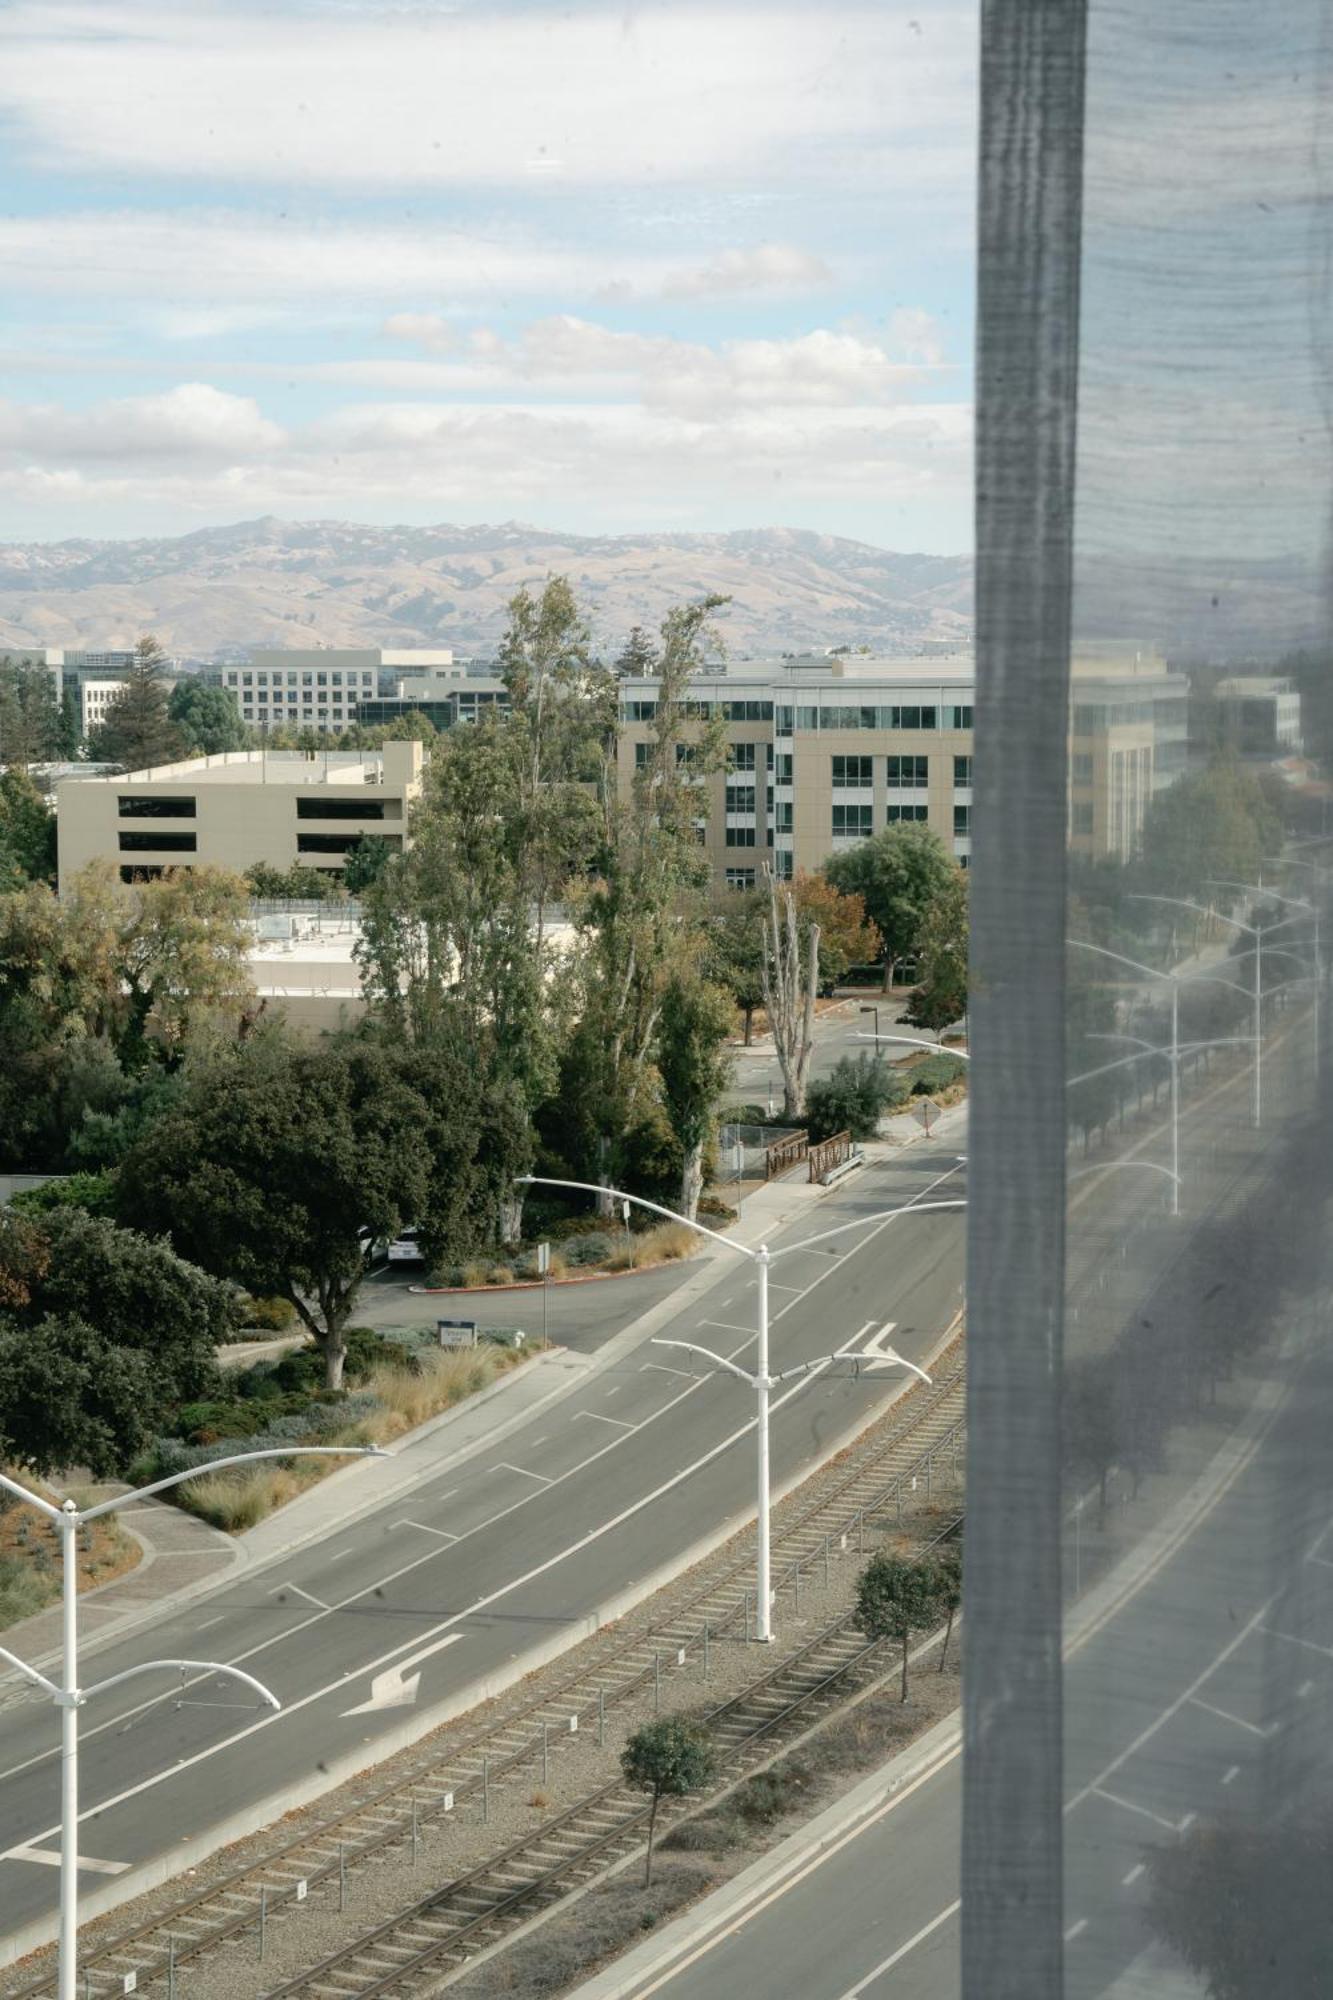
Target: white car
[(404, 1249)]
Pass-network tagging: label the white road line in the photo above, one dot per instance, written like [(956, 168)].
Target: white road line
[(774, 1286), (523, 1473), (658, 1368), (1322, 1561), (728, 1326), (895, 1957), (426, 1529), (340, 1554), (1225, 1715), (1114, 1799), (598, 1418), (1128, 1881), (1303, 1690), (297, 1591), (1076, 1930), (1231, 1773), (209, 1622), (404, 1569), (1293, 1639), (48, 1860), (614, 1392)]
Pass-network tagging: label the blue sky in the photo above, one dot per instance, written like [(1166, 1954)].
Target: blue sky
[(601, 269)]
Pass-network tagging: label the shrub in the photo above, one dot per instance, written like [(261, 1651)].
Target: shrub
[(936, 1073), (270, 1315), (94, 1192), (499, 1274), (21, 1591), (592, 1248), (205, 1422), (853, 1098)]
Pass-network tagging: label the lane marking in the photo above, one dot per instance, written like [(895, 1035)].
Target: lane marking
[(1303, 1690), (426, 1529), (1076, 1930), (1323, 1561), (340, 1554), (397, 1687), (123, 1718), (1114, 1799), (1127, 1881), (727, 1326), (597, 1417), (1225, 1715), (523, 1473), (209, 1622), (1228, 1775), (854, 1992), (659, 1368), (48, 1860), (297, 1591), (1293, 1639)]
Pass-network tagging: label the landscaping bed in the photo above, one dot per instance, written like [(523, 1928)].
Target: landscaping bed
[(30, 1555), (584, 1246), (394, 1385)]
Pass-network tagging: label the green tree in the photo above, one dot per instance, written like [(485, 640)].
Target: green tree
[(853, 1097), (94, 1193), (637, 658), (137, 731), (1210, 825), (696, 1019), (364, 864), (898, 874), (668, 1758), (183, 956), (69, 1397), (30, 720), (296, 884), (275, 1161), (27, 831), (59, 1001), (69, 734), (846, 937), (208, 719), (1245, 1903), (940, 995), (734, 950), (895, 1598)]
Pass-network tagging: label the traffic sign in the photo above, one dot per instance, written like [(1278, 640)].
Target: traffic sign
[(923, 1110), (456, 1332)]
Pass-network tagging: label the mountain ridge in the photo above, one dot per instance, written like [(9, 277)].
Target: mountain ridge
[(215, 592)]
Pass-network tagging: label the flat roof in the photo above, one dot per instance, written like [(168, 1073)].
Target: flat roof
[(257, 767)]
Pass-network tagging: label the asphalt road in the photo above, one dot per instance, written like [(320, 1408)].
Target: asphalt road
[(581, 1316), (1210, 1688), (636, 1464)]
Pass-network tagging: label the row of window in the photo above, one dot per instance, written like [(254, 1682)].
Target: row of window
[(188, 843), (855, 773), (787, 718), (164, 805), (858, 822), (701, 711), (286, 677)]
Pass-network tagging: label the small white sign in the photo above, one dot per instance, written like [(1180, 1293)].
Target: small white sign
[(302, 1889), (543, 1259), (130, 1983), (447, 1802), (573, 1725)]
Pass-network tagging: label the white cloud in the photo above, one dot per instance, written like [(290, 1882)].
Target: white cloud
[(218, 271), (200, 451), (772, 267), (664, 92), (193, 421)]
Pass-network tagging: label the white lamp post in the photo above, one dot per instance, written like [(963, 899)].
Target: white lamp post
[(1258, 933), (69, 1697), (761, 1381), (1294, 903)]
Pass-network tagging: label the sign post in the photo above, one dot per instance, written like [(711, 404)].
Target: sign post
[(922, 1111), (544, 1273)]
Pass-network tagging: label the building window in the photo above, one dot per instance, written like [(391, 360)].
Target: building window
[(962, 819), (782, 768), (740, 798), (145, 871), (782, 813), (340, 809), (156, 805), (740, 878), (908, 773), (907, 815), (642, 754), (160, 843), (852, 822), (1081, 767), (336, 679), (852, 774), (960, 718), (782, 865), (742, 756), (962, 772), (1083, 817), (740, 836)]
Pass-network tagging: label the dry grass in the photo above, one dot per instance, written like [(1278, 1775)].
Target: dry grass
[(30, 1553), (234, 1501), (654, 1246)]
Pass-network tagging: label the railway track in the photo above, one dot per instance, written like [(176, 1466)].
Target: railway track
[(909, 1452)]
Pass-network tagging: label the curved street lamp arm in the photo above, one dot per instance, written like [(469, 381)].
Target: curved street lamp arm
[(718, 1360), (240, 1458), (1109, 1167), (33, 1499), (912, 1042), (1257, 889), (593, 1187), (185, 1666), (864, 1222), (1136, 965), (30, 1674)]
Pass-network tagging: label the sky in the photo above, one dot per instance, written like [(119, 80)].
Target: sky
[(601, 269)]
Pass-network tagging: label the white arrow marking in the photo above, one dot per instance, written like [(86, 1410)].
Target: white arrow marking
[(397, 1687), (877, 1354)]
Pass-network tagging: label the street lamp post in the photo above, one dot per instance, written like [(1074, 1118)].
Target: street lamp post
[(762, 1381), (69, 1697), (1258, 933), (873, 1008), (1294, 903)]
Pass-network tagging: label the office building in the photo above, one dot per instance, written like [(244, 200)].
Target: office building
[(825, 750), (1260, 715), (231, 811), (321, 687)]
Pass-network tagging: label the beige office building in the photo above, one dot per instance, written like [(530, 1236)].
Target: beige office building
[(825, 750), (279, 807), (320, 688)]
